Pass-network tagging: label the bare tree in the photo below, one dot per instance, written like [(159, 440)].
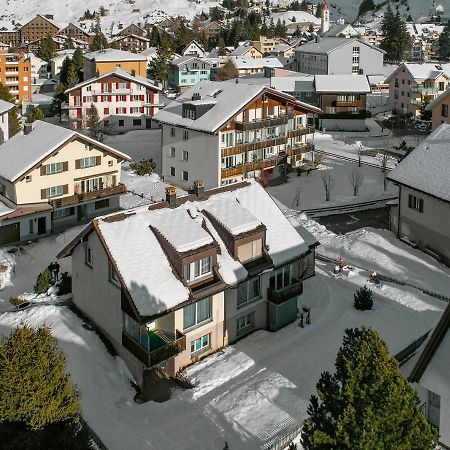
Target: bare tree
[(359, 151), (384, 170), (356, 179), (327, 181)]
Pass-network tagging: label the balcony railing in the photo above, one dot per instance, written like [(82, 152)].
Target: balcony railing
[(300, 149), (301, 131), (424, 90), (87, 196), (256, 145), (278, 297), (170, 345), (263, 122), (250, 166)]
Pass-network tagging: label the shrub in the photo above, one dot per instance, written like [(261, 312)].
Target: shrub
[(43, 282), (143, 167), (363, 299), (65, 285)]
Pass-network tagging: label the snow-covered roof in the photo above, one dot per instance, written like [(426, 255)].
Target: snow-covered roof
[(143, 265), (4, 209), (23, 151), (243, 48), (244, 62), (287, 84), (427, 167), (328, 45), (149, 51), (111, 54), (5, 106), (344, 28), (437, 100), (121, 74), (230, 98), (423, 71), (342, 83), (125, 36), (178, 227), (300, 17)]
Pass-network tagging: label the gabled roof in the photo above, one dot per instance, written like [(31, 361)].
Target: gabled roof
[(437, 100), (52, 22), (5, 106), (111, 55), (185, 59), (142, 264), (243, 49), (229, 97), (436, 354), (125, 36), (427, 167), (194, 42), (331, 44), (337, 29), (244, 62), (422, 71), (119, 73), (23, 152)]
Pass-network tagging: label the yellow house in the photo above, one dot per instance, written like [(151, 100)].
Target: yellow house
[(104, 61), (52, 177)]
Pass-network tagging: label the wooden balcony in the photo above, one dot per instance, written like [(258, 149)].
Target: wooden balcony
[(350, 103), (263, 123), (249, 167), (302, 131), (299, 149), (88, 196), (169, 345), (241, 148), (278, 297)]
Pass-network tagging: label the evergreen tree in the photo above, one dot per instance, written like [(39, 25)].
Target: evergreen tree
[(99, 42), (94, 123), (221, 45), (160, 66), (35, 389), (47, 49), (35, 114), (367, 404), (227, 71), (319, 10), (183, 36), (72, 77), (64, 72), (77, 58), (444, 42), (13, 114), (154, 37), (363, 299), (366, 6), (69, 43), (58, 100), (396, 42)]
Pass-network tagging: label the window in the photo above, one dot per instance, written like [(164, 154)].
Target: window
[(88, 259), (244, 322), (54, 191), (172, 171), (90, 161), (250, 250), (441, 86), (121, 122), (281, 278), (185, 134), (444, 111), (185, 175), (137, 122), (110, 163), (28, 178), (172, 131), (197, 313), (200, 345), (54, 168), (248, 291), (112, 275), (172, 152), (415, 203), (197, 269), (101, 204), (64, 212), (185, 155)]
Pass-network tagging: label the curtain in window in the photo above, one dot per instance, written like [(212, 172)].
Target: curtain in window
[(242, 293), (203, 309), (189, 316)]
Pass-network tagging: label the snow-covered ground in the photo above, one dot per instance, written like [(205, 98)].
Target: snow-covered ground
[(310, 193), (259, 388)]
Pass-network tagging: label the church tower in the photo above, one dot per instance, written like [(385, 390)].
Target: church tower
[(325, 19)]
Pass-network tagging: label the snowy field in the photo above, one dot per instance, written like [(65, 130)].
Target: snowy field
[(307, 191), (257, 389)]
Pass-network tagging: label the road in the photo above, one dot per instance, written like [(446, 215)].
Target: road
[(343, 223)]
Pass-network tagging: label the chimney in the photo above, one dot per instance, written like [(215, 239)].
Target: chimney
[(171, 195), (199, 188), (27, 128)]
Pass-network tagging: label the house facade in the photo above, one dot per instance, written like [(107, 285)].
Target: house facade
[(15, 73), (62, 178), (194, 49), (75, 32), (5, 107), (412, 85), (38, 28), (439, 108), (187, 71), (122, 101), (105, 61), (339, 56), (171, 283), (130, 43), (422, 214), (225, 132)]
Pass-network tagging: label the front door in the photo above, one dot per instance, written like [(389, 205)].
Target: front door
[(41, 225), (81, 212), (148, 123)]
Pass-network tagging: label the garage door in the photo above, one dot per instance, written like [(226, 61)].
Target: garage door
[(9, 233)]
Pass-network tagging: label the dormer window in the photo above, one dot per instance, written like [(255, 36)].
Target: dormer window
[(250, 250), (197, 270)]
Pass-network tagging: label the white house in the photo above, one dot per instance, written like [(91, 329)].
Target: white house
[(5, 107), (122, 100), (194, 49), (422, 215), (224, 132), (57, 61), (173, 282)]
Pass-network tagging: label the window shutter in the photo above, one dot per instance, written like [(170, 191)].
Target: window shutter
[(65, 166), (103, 87), (117, 110), (110, 87), (43, 194), (84, 99), (128, 85), (42, 170), (142, 98), (65, 189), (117, 85), (142, 109), (98, 160), (77, 164), (95, 98)]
